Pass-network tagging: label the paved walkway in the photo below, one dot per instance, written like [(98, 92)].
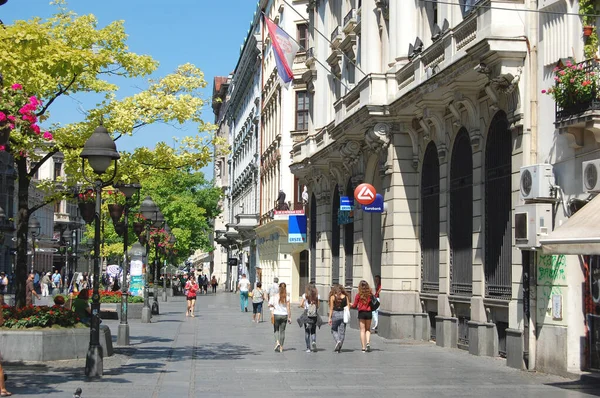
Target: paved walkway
[(221, 353)]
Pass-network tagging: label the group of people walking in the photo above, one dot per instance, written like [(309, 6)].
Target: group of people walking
[(366, 302)]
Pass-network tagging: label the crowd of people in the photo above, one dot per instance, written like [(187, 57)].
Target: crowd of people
[(366, 302)]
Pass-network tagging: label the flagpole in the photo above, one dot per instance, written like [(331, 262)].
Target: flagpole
[(325, 37), (316, 59)]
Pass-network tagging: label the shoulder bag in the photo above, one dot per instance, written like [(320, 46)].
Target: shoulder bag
[(374, 303)]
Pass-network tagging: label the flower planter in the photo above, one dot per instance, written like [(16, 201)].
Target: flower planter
[(120, 228), (138, 228), (588, 30), (116, 212), (88, 211), (4, 134)]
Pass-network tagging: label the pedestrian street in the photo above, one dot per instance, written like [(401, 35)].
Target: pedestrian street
[(222, 353)]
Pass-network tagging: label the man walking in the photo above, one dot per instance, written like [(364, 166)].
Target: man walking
[(30, 291), (244, 286), (273, 290), (56, 282)]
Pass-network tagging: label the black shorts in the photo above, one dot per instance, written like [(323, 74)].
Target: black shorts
[(192, 298), (365, 315)]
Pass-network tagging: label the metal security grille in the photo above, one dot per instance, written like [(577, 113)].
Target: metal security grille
[(461, 216), (349, 244), (498, 221), (430, 220), (313, 238), (335, 238)]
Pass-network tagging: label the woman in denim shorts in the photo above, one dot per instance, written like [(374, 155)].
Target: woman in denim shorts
[(258, 297)]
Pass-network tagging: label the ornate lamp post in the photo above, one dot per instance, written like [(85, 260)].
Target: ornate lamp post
[(149, 210), (171, 242), (129, 190), (66, 238), (34, 230), (158, 223), (100, 151)]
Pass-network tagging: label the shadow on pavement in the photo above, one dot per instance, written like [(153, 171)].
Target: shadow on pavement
[(586, 384)]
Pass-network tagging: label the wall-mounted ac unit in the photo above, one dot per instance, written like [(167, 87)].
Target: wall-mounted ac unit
[(532, 221), (536, 182), (590, 172)]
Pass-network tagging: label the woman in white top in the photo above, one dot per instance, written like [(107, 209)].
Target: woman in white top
[(280, 305)]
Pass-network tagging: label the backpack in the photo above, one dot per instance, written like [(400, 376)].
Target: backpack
[(312, 310)]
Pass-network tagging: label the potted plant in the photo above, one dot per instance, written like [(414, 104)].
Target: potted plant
[(139, 222), (116, 204), (87, 205), (575, 85)]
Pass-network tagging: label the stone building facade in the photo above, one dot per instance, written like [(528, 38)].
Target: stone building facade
[(429, 103)]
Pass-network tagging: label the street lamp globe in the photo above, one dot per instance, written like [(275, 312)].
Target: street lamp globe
[(149, 209), (34, 226), (100, 150)]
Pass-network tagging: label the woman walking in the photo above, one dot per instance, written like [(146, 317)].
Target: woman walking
[(191, 288), (362, 301), (310, 303), (338, 303), (258, 296), (213, 284), (280, 305)]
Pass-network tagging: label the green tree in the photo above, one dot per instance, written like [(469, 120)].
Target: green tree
[(69, 54)]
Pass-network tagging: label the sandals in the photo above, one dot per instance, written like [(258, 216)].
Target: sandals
[(5, 394)]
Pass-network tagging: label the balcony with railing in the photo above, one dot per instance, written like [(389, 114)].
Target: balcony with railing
[(350, 21), (336, 37), (577, 106)]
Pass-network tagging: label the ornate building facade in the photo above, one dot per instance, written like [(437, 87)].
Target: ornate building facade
[(424, 101)]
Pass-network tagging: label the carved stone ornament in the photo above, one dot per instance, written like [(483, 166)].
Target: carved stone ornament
[(350, 152), (378, 137)]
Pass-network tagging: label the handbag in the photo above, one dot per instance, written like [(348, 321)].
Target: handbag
[(374, 303), (346, 314), (272, 318)]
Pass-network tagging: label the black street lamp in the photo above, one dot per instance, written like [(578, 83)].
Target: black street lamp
[(34, 228), (149, 211), (158, 224), (100, 151), (171, 242), (66, 238), (129, 190)]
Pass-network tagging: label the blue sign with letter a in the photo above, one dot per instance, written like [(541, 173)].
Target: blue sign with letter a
[(297, 229), (376, 206), (346, 203)]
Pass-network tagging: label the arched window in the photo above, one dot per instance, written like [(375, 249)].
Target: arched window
[(430, 220), (498, 200), (461, 216), (349, 243)]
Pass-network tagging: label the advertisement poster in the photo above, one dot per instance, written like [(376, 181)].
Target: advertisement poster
[(136, 284), (297, 229)]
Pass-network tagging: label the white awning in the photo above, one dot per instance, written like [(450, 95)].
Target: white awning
[(580, 234)]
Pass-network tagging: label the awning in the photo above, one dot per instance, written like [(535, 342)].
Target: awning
[(580, 234)]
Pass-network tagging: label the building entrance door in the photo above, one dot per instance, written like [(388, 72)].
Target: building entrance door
[(303, 272)]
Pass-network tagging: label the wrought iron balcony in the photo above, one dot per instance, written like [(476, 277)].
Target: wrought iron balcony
[(336, 35), (590, 68), (350, 21)]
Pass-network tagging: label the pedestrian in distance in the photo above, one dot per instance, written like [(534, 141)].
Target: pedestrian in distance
[(339, 302), (191, 288), (46, 284), (30, 291), (214, 284), (244, 288), (282, 314), (362, 302), (310, 303), (376, 311), (274, 289), (258, 297), (3, 286), (3, 391)]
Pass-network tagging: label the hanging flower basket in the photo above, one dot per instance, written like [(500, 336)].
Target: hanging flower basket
[(120, 228), (587, 30), (142, 239), (116, 212), (87, 211), (4, 134), (138, 228)]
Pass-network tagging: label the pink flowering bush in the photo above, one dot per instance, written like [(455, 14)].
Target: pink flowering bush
[(574, 85), (18, 116)]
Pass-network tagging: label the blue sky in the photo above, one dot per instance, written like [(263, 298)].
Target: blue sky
[(205, 33)]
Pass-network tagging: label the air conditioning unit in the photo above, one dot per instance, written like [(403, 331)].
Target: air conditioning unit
[(532, 222), (536, 182), (590, 171)]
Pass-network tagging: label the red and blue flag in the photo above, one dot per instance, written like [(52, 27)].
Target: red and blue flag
[(284, 48)]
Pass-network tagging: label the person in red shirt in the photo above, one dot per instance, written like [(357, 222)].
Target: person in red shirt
[(362, 301)]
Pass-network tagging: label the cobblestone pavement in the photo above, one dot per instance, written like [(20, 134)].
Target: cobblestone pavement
[(221, 353)]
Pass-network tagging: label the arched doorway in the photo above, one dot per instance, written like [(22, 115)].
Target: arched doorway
[(498, 200), (349, 243), (430, 220), (372, 232), (313, 238), (461, 216), (335, 237)]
